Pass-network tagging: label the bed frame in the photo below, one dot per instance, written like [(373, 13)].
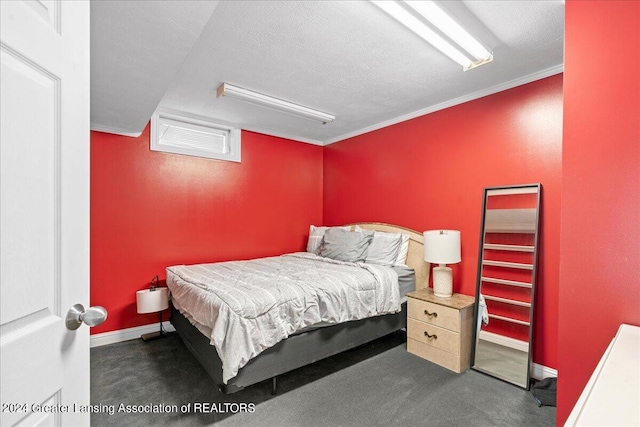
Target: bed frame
[(308, 347)]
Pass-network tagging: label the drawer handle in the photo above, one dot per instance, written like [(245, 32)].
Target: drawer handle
[(428, 335), (434, 314)]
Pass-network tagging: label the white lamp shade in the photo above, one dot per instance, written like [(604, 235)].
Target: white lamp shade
[(442, 246), (149, 301)]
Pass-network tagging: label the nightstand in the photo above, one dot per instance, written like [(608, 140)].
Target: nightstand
[(440, 329)]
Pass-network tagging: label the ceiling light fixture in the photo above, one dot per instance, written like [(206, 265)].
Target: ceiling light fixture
[(242, 94), (443, 22)]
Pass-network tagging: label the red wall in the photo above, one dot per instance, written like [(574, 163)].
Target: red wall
[(150, 210), (430, 172), (600, 240)]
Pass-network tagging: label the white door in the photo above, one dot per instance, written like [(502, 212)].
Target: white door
[(44, 211)]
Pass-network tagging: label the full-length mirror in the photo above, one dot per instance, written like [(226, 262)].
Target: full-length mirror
[(506, 282)]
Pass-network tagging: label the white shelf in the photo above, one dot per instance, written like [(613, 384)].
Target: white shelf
[(509, 319), (506, 282), (505, 264), (512, 248), (507, 301)]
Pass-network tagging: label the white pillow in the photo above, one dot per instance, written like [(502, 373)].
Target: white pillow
[(315, 237), (384, 248), (403, 250)]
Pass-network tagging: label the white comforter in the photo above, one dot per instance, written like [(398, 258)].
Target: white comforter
[(249, 306)]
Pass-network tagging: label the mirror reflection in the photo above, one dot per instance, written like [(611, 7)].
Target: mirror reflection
[(506, 282)]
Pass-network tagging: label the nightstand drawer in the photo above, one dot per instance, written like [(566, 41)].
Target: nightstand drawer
[(435, 314), (438, 337), (436, 355)]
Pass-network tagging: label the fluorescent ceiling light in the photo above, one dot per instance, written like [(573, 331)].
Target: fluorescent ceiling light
[(451, 28), (443, 22), (414, 24), (242, 94)]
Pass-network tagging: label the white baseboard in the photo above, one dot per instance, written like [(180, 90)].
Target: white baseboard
[(113, 337), (541, 372), (505, 341)]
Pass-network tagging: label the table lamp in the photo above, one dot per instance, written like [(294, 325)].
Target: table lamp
[(442, 247), (153, 300)]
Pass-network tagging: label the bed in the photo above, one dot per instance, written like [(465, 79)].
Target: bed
[(291, 338)]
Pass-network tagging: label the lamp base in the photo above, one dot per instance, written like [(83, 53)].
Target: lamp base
[(153, 336), (443, 281)]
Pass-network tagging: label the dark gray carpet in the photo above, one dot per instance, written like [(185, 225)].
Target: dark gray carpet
[(376, 384)]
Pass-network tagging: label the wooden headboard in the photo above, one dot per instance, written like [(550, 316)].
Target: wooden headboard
[(415, 257)]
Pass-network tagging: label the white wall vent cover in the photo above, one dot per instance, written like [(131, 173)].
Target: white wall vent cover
[(181, 133)]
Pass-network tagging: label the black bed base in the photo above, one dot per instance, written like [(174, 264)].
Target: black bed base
[(291, 353)]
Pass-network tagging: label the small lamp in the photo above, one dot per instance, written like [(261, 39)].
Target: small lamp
[(150, 301), (442, 247)]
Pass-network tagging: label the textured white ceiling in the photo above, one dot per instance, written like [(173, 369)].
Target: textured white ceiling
[(137, 47), (346, 58)]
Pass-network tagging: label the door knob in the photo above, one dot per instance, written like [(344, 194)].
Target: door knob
[(92, 316)]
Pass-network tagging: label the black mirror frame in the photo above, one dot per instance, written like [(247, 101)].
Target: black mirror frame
[(534, 278)]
